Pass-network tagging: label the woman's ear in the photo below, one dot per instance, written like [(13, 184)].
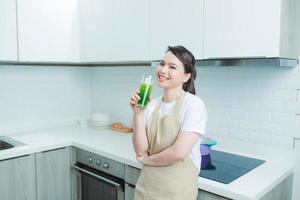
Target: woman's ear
[(187, 77)]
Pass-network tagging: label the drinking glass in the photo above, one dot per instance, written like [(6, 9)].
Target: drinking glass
[(145, 91)]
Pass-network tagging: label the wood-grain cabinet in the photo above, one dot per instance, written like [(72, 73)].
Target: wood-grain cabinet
[(251, 28), (17, 178), (47, 30), (53, 174), (8, 31)]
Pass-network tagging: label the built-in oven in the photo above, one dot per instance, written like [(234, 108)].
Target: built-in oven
[(98, 177)]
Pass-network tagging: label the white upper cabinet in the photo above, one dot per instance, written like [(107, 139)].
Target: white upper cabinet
[(113, 30), (8, 31), (47, 30), (95, 30), (175, 22), (248, 28), (130, 30)]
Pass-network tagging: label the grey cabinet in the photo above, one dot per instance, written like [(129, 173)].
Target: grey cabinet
[(129, 192), (53, 175), (281, 191), (17, 178), (203, 195)]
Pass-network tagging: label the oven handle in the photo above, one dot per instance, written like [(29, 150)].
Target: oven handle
[(117, 185)]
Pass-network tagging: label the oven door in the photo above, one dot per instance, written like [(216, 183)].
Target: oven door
[(93, 184)]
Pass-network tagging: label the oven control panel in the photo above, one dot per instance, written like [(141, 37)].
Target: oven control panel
[(101, 163)]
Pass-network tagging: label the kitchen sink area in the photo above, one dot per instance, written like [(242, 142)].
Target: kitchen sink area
[(8, 143)]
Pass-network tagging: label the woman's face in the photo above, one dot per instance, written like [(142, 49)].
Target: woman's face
[(170, 72)]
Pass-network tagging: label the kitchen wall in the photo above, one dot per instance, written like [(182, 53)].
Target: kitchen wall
[(111, 88), (255, 104), (39, 96)]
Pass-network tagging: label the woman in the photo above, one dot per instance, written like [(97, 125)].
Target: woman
[(166, 134)]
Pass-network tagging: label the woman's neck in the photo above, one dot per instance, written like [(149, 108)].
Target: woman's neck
[(172, 94)]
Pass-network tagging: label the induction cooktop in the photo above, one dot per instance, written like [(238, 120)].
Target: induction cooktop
[(227, 167)]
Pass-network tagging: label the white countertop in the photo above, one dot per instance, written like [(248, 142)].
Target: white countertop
[(118, 146)]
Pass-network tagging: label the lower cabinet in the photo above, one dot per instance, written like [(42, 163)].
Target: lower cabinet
[(53, 174), (282, 191), (129, 192), (203, 195), (17, 178)]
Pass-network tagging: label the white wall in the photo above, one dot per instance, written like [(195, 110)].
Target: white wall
[(253, 110), (32, 94), (255, 104), (111, 88)]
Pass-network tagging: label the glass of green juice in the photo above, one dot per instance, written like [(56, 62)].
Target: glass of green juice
[(145, 91)]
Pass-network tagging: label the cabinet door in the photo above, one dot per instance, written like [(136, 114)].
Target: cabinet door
[(175, 22), (129, 192), (203, 195), (47, 30), (130, 30), (53, 175), (17, 178), (8, 33), (95, 27), (113, 30), (235, 28)]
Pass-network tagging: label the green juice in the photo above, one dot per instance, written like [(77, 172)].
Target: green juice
[(145, 91)]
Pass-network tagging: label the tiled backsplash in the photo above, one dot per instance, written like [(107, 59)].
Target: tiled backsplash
[(111, 88), (37, 93), (254, 104)]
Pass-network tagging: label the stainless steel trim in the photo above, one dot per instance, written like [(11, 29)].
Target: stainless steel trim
[(117, 185), (78, 64), (248, 61)]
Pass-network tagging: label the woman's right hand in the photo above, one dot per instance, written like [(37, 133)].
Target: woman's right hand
[(134, 103)]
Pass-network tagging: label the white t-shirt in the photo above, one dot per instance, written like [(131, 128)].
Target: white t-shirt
[(193, 119)]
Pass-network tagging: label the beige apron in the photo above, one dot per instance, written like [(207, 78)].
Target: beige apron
[(174, 182)]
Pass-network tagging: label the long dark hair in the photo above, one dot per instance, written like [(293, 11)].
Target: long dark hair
[(188, 60)]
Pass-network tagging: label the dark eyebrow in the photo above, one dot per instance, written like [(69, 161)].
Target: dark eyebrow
[(161, 61), (173, 64)]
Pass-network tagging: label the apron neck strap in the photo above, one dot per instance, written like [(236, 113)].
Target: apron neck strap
[(177, 106)]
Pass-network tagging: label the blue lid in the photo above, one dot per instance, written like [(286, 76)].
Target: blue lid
[(208, 141)]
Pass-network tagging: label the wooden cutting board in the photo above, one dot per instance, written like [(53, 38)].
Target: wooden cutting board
[(121, 128)]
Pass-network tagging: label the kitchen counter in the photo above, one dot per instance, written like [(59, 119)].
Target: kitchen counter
[(118, 146)]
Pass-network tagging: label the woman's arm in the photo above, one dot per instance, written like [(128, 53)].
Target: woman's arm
[(177, 152), (139, 138)]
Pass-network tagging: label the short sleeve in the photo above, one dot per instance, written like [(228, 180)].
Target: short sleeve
[(195, 118)]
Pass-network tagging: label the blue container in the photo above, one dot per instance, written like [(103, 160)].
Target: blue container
[(205, 156)]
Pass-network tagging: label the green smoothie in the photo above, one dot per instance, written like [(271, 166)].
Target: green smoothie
[(145, 91)]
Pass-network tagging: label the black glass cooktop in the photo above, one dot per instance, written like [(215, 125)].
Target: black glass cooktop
[(227, 167)]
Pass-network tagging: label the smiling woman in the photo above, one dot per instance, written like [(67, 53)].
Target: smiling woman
[(166, 133)]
